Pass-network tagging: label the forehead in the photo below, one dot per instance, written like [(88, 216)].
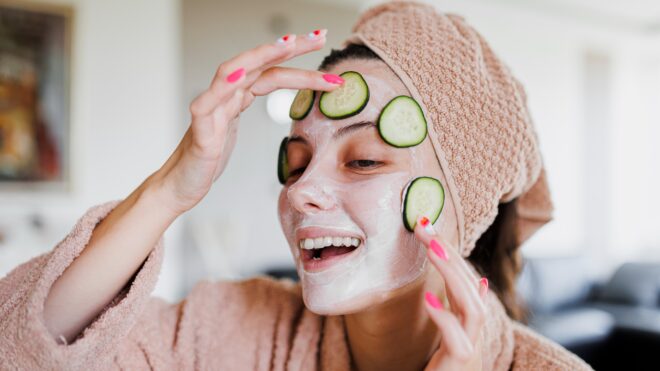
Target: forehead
[(383, 85)]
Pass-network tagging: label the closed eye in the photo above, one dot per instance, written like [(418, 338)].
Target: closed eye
[(363, 164)]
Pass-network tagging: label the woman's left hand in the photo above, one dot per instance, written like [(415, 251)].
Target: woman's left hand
[(461, 324)]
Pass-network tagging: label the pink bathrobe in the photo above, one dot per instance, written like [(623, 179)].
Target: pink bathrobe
[(255, 324)]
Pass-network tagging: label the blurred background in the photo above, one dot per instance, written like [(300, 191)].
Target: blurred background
[(94, 97)]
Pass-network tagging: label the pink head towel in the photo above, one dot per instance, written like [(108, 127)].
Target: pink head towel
[(477, 113)]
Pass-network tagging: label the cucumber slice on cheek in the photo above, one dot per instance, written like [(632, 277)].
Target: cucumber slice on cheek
[(401, 123), (302, 104), (424, 196), (283, 162), (348, 99)]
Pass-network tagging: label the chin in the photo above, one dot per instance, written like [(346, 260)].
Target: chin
[(328, 301)]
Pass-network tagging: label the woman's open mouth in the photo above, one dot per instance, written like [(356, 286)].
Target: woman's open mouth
[(320, 252)]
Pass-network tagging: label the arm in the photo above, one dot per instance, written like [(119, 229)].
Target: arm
[(118, 246), (123, 240), (26, 343)]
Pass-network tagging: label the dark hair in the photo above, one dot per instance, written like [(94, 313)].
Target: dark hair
[(496, 254), (351, 51)]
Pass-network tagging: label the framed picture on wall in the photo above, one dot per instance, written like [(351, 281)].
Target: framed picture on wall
[(35, 130)]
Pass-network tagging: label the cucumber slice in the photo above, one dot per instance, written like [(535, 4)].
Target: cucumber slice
[(283, 162), (424, 196), (302, 104), (347, 100), (401, 123)]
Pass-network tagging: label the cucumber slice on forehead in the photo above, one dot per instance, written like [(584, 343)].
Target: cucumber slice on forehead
[(424, 196), (348, 99), (302, 104), (283, 162), (401, 122)]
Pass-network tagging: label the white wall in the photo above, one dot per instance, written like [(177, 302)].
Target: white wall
[(124, 121)]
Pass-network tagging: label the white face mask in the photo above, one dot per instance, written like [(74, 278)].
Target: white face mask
[(388, 256)]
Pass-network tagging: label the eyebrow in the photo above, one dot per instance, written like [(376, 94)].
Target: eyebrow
[(352, 127), (346, 130)]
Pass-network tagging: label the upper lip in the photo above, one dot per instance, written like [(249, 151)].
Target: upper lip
[(313, 232)]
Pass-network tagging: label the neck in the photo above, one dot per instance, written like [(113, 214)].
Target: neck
[(396, 334)]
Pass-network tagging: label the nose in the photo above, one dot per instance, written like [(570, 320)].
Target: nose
[(308, 196)]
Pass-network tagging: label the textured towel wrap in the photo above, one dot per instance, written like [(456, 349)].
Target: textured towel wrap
[(479, 124)]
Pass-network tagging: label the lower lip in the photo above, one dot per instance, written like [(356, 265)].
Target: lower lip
[(313, 265)]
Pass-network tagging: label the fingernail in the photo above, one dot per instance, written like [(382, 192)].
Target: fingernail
[(234, 76), (438, 250), (484, 285), (433, 300), (333, 79), (314, 34), (426, 223), (286, 39)]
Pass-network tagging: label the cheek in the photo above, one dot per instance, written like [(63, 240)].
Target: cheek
[(285, 214), (376, 203), (282, 203)]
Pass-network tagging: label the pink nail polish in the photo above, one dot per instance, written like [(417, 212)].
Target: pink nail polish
[(433, 300), (286, 39), (333, 79), (428, 227), (314, 34), (234, 76), (484, 283), (438, 250)]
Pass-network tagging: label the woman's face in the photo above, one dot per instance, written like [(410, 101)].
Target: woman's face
[(346, 184)]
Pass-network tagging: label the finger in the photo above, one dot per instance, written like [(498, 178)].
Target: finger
[(241, 70), (454, 338), (430, 233), (291, 78), (296, 45), (461, 288), (483, 287), (206, 129), (426, 233), (304, 44)]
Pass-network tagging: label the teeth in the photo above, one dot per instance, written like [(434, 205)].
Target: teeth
[(321, 242)]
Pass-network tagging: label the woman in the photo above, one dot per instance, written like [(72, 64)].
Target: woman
[(373, 295)]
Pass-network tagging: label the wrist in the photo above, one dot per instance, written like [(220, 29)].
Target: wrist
[(155, 195)]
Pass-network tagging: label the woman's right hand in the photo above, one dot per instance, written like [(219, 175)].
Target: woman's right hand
[(202, 154)]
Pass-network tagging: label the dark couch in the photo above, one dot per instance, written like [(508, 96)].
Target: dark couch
[(613, 324)]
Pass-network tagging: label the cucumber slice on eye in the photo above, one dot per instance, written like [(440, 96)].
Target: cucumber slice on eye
[(348, 99), (302, 104), (401, 123), (283, 162), (424, 196)]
